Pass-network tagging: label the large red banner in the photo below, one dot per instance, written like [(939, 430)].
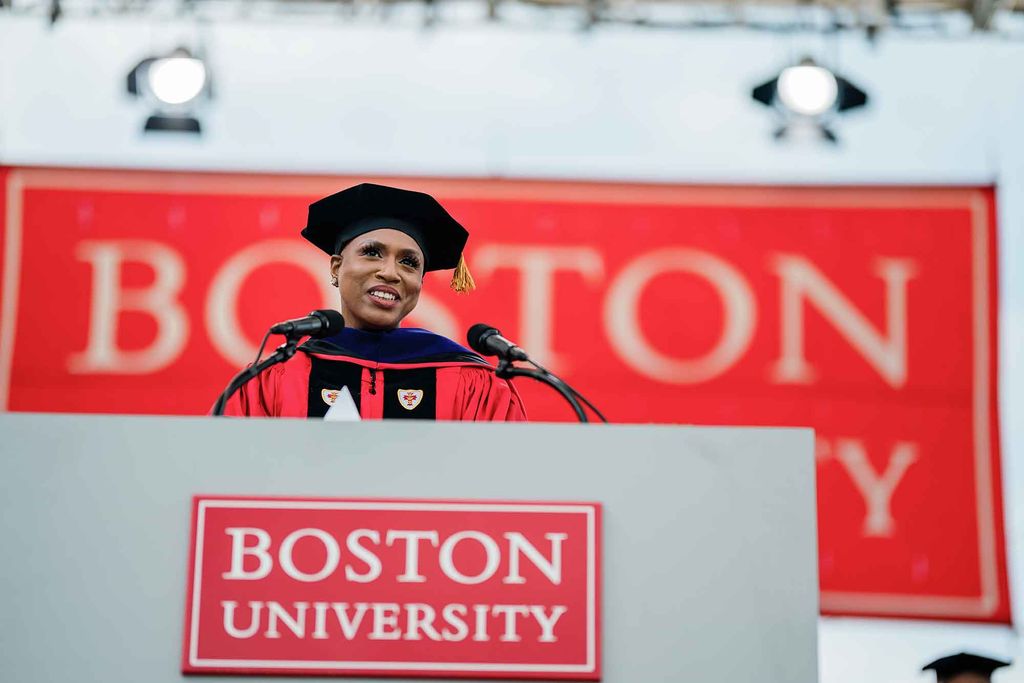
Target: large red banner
[(866, 313), (478, 589)]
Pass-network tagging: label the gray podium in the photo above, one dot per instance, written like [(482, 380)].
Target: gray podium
[(709, 543)]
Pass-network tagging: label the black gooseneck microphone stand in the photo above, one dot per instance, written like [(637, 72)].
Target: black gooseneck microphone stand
[(319, 323), (487, 341), (280, 355), (506, 371)]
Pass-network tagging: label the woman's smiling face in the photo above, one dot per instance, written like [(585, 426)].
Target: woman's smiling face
[(380, 275)]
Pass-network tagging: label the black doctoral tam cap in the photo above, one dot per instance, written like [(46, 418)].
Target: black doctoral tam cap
[(337, 219), (964, 662)]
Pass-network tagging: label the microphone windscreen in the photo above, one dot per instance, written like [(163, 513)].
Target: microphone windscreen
[(335, 323), (476, 335)]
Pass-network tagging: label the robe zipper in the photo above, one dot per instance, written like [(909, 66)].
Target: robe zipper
[(373, 381)]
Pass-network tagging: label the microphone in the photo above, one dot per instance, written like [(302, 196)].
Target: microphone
[(322, 323), (487, 341)]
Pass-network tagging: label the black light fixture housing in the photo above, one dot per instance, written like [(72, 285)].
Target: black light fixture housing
[(807, 94), (174, 85)]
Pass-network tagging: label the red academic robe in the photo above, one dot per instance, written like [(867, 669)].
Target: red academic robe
[(400, 374)]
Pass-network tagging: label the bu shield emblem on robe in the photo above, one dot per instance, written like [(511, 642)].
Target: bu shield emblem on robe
[(330, 395), (410, 398)]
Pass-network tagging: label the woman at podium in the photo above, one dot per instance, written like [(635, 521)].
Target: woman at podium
[(381, 241)]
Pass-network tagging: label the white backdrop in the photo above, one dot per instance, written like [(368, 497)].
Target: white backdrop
[(526, 100)]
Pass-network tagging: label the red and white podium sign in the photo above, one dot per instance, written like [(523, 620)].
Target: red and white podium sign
[(394, 587)]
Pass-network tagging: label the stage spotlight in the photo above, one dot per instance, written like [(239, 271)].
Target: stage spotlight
[(806, 96), (174, 85), (177, 80), (807, 89)]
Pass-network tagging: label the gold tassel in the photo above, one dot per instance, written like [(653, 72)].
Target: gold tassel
[(462, 281)]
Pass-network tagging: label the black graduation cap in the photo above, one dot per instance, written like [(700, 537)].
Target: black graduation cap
[(337, 219), (964, 662)]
